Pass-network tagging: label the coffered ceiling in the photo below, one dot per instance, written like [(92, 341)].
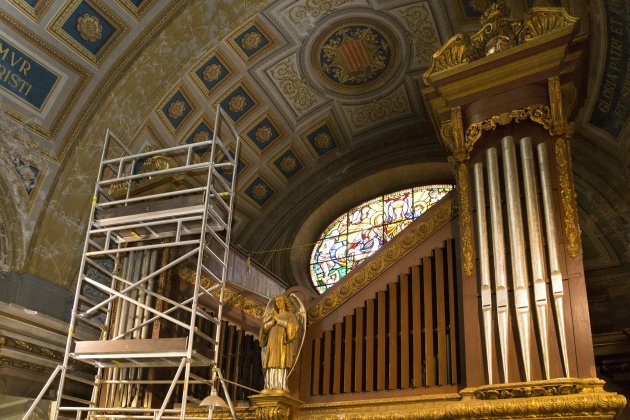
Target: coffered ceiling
[(324, 93)]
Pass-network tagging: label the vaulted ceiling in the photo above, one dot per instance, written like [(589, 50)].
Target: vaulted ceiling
[(317, 137)]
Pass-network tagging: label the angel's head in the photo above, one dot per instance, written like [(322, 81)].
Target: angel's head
[(281, 303)]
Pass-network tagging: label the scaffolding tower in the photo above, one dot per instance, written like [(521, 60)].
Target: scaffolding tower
[(134, 236)]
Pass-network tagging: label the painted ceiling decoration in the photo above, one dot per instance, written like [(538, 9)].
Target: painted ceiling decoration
[(318, 89)]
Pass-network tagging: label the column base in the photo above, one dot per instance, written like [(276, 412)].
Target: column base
[(275, 405)]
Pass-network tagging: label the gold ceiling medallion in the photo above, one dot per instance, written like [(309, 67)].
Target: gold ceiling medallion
[(498, 33), (237, 103), (176, 109), (355, 56), (263, 134), (251, 40), (89, 27), (212, 72), (201, 137), (288, 164), (322, 140), (259, 191)]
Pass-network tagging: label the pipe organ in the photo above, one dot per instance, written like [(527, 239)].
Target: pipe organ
[(403, 337)]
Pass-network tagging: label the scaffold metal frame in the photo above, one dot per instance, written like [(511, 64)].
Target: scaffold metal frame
[(194, 222)]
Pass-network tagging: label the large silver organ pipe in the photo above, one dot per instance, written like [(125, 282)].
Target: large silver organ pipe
[(536, 247), (484, 265), (517, 249), (552, 240), (498, 252)]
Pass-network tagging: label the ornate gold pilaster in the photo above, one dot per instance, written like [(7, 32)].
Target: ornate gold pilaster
[(275, 405), (567, 194)]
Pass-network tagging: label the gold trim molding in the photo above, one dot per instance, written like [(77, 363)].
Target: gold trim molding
[(362, 276), (567, 194), (556, 398), (465, 217)]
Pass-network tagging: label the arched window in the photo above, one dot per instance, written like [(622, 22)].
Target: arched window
[(360, 232)]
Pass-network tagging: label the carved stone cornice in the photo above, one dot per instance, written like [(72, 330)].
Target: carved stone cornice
[(440, 214)]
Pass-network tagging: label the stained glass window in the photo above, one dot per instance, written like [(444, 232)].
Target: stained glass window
[(360, 232)]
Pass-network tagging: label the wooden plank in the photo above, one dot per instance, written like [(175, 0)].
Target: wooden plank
[(369, 345), (404, 331), (358, 350), (381, 372), (427, 282), (347, 363), (416, 322), (452, 327), (441, 314), (337, 359), (393, 336), (316, 366), (327, 362), (151, 345)]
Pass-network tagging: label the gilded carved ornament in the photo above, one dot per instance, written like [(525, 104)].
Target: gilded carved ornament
[(362, 276), (567, 193), (498, 33), (465, 215)]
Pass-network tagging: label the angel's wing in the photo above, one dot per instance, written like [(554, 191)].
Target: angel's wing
[(266, 315), (300, 314)]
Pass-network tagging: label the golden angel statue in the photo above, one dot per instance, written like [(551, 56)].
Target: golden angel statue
[(281, 338)]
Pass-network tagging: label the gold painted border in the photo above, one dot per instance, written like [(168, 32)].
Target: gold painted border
[(252, 143), (81, 83), (137, 11), (278, 172), (250, 92), (262, 28), (199, 83), (64, 13), (34, 13), (361, 89), (251, 200), (188, 96), (333, 128), (440, 214)]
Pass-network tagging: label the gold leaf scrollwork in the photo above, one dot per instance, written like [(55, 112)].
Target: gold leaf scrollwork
[(441, 213), (292, 85), (540, 114), (542, 20), (454, 52), (272, 413), (379, 110), (314, 9), (422, 30), (465, 218), (567, 196)]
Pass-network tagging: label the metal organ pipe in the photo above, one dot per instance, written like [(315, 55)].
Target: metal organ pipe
[(484, 265), (536, 247), (552, 240), (517, 248), (498, 252)]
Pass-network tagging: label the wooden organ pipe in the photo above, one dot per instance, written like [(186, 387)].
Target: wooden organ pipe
[(403, 337), (517, 249), (552, 238), (484, 266), (536, 248), (498, 253)]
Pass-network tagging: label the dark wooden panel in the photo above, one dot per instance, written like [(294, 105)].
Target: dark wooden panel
[(347, 362), (316, 366), (416, 325), (441, 315), (381, 341), (327, 363), (337, 359), (358, 350), (427, 282), (369, 345), (404, 331), (393, 336), (452, 327)]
